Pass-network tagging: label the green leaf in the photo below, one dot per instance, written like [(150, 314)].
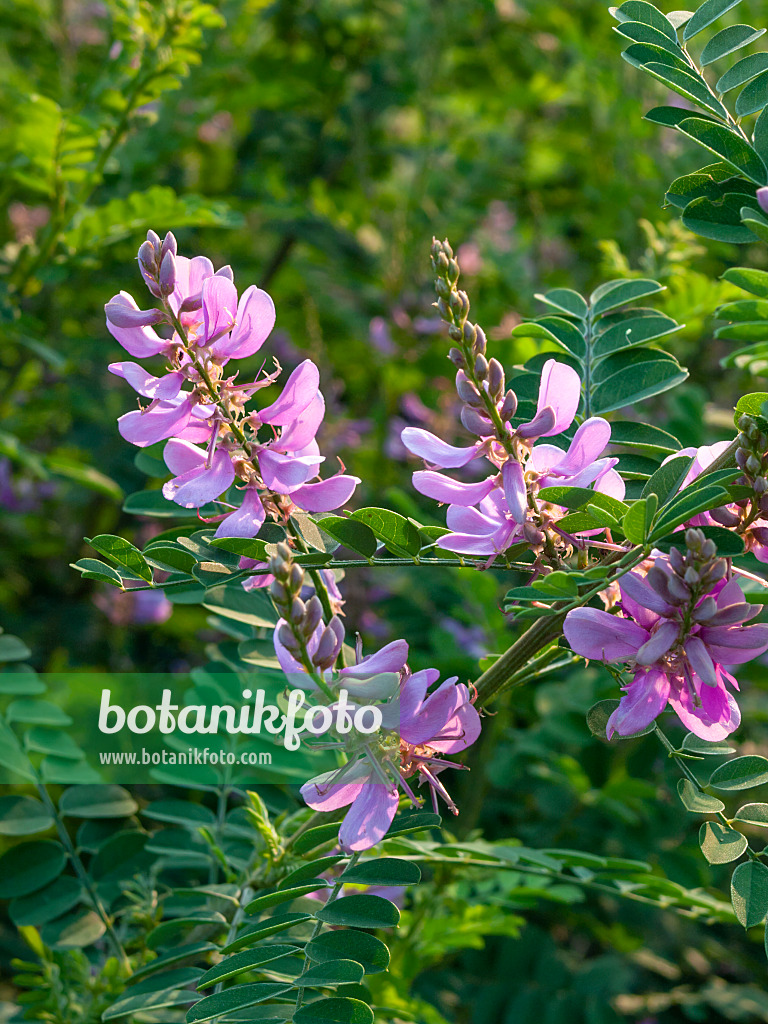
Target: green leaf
[(760, 136), (753, 281), (566, 301), (22, 682), (93, 569), (687, 506), (338, 1010), (123, 553), (415, 821), (566, 335), (640, 10), (177, 955), (728, 146), (597, 721), (706, 15), (670, 117), (11, 754), (361, 910), (719, 220), (633, 523), (640, 33), (13, 649), (313, 869), (246, 961), (167, 933), (631, 332), (349, 945), (382, 871), (614, 294), (686, 84), (318, 836), (719, 844), (579, 497), (668, 479), (641, 55), (152, 503), (753, 96), (170, 556), (251, 607), (744, 310), (43, 906), (749, 893), (23, 816), (37, 712), (156, 993), (274, 899), (71, 469), (97, 802), (335, 972), (234, 999), (708, 748), (753, 814), (742, 71), (180, 812), (351, 534), (628, 386), (740, 773), (399, 535), (269, 926), (728, 40), (74, 931), (29, 866), (697, 802)]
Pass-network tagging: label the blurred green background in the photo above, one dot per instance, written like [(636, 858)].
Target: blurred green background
[(317, 146)]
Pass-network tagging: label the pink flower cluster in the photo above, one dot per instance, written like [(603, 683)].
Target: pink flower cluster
[(487, 517), (197, 405), (679, 625), (419, 729)]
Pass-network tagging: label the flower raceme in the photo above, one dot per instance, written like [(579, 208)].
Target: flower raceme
[(680, 624), (200, 409), (419, 728), (487, 517)]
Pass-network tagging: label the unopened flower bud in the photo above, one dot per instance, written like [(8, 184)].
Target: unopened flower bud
[(441, 262), (287, 639), (741, 457), (453, 271), (192, 303), (475, 422), (147, 256), (753, 466), (120, 314), (678, 589), (744, 441), (533, 534), (296, 577), (457, 358), (466, 390), (167, 276), (725, 517), (327, 648), (658, 579), (298, 609), (312, 616), (691, 577), (454, 331), (694, 539), (277, 590), (705, 610), (284, 551), (481, 367), (169, 245), (480, 343), (509, 405), (717, 571), (708, 549), (154, 240), (442, 288)]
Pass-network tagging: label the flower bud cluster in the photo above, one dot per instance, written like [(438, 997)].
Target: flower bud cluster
[(303, 632), (686, 575), (752, 459), (157, 262)]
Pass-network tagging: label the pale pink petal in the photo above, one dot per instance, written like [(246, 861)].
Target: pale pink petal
[(219, 306), (435, 451), (245, 521), (145, 384), (611, 484), (470, 520), (190, 275), (468, 544), (285, 473), (182, 456), (587, 445), (200, 485), (301, 431), (645, 699), (733, 645), (335, 789), (596, 635), (140, 342), (368, 819), (515, 490), (255, 320), (695, 719), (560, 390), (144, 428), (442, 488), (326, 495), (300, 389), (391, 658)]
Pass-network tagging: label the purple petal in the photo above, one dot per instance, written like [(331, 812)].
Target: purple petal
[(156, 423), (300, 389), (413, 692), (435, 451), (368, 819), (698, 722), (200, 485), (587, 445), (190, 275), (471, 520), (219, 306), (469, 544), (515, 490), (302, 431), (610, 483), (145, 384), (326, 495), (700, 661), (140, 342), (285, 473), (602, 637), (255, 320), (391, 658), (334, 789), (642, 594), (659, 643), (245, 521), (645, 699), (442, 488), (560, 390), (182, 456)]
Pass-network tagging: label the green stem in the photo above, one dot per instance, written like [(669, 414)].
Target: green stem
[(82, 875)]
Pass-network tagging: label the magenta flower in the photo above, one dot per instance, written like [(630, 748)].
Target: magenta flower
[(429, 726), (676, 645)]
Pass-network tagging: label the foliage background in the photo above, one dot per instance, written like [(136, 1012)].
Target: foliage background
[(317, 147)]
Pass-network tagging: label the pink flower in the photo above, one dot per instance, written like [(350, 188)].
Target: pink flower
[(430, 727), (676, 648)]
